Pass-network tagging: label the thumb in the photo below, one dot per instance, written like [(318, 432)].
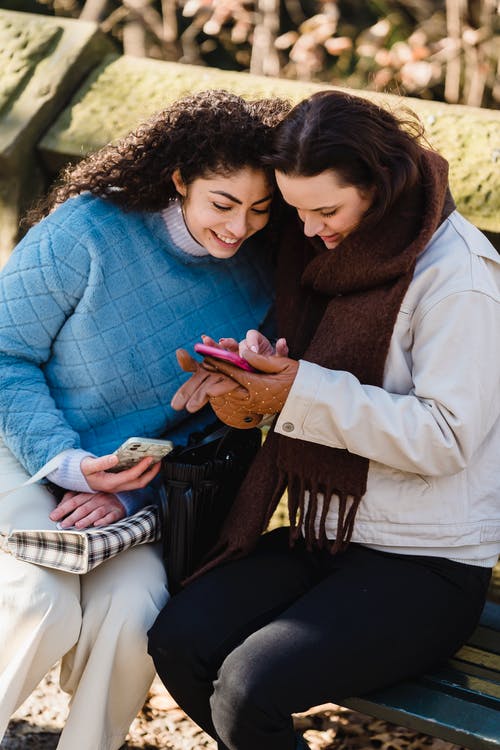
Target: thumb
[(186, 361), (270, 364), (91, 466)]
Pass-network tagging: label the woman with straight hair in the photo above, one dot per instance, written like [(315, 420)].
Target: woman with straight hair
[(385, 437)]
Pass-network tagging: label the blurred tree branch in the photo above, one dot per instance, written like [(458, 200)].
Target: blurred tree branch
[(437, 49)]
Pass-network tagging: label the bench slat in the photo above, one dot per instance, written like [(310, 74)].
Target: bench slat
[(487, 635), (458, 702), (465, 686), (470, 656), (424, 709)]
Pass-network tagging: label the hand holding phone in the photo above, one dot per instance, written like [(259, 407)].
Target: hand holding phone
[(224, 354), (135, 449)]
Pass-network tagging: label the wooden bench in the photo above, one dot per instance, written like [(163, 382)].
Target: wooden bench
[(458, 702)]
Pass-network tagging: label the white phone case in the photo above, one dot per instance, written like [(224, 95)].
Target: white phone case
[(135, 448)]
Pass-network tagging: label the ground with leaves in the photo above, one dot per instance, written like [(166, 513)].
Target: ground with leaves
[(162, 724)]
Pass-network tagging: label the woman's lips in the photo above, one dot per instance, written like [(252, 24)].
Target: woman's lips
[(330, 238), (226, 241)]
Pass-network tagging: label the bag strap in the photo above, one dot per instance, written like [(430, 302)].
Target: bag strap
[(220, 432), (40, 474)]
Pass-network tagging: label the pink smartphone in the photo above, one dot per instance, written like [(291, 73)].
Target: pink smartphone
[(227, 356)]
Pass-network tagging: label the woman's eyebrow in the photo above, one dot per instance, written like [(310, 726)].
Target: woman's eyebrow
[(237, 200), (326, 208)]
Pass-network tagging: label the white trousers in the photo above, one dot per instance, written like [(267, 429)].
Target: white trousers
[(96, 623)]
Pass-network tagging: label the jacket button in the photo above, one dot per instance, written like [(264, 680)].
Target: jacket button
[(288, 426)]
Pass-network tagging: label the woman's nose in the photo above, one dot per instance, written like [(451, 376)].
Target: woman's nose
[(237, 225), (312, 224)]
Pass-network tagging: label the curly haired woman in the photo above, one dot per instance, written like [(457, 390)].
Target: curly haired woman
[(142, 246)]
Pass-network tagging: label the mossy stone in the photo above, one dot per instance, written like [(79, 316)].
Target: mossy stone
[(123, 91)]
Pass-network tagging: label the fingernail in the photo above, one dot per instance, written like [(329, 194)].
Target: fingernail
[(254, 349)]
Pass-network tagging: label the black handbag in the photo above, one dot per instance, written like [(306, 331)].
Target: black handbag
[(199, 484)]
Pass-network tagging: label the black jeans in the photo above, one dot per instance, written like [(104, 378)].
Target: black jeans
[(251, 642)]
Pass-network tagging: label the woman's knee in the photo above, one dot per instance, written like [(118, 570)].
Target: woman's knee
[(61, 611), (135, 628), (177, 641), (171, 634), (127, 594), (49, 600), (125, 613), (245, 699)]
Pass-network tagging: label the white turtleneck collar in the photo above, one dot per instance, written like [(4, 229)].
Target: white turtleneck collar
[(176, 226)]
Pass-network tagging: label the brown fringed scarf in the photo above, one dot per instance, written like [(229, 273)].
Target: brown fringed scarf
[(336, 308)]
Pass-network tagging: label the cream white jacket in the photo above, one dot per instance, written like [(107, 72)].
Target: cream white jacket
[(432, 433)]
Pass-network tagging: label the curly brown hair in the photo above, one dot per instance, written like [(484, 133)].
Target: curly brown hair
[(206, 133)]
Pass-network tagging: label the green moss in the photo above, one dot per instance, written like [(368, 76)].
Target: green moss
[(23, 44), (473, 150), (125, 91)]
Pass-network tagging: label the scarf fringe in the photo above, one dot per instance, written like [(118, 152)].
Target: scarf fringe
[(347, 508), (310, 519), (345, 522), (295, 505)]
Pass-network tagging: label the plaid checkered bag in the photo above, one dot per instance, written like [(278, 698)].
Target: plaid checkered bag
[(81, 551)]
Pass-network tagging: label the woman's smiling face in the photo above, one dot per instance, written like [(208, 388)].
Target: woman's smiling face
[(328, 208), (222, 211)]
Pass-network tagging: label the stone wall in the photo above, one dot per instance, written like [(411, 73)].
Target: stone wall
[(43, 62), (64, 91)]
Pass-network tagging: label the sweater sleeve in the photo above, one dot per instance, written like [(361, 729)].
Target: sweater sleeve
[(40, 286)]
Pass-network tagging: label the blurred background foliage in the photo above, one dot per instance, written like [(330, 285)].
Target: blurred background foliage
[(447, 50)]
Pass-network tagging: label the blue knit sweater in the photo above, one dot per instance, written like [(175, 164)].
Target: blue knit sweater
[(94, 302)]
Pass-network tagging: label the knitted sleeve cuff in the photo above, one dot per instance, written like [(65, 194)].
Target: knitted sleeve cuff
[(69, 474)]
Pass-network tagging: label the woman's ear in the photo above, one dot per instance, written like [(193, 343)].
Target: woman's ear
[(179, 183)]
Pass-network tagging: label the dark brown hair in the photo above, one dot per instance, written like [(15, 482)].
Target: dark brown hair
[(211, 132), (366, 145)]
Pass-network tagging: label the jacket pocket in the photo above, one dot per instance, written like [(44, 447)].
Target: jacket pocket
[(407, 498)]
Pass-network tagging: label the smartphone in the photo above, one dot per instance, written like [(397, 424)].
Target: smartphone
[(136, 448), (227, 356)]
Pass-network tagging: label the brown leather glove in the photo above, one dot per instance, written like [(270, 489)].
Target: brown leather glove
[(260, 393), (195, 392)]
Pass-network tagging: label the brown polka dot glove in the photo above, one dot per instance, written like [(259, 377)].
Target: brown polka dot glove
[(259, 393), (195, 392)]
